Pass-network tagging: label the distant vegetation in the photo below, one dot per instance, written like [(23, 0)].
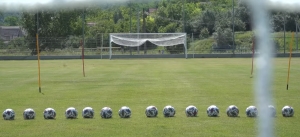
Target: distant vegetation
[(210, 22)]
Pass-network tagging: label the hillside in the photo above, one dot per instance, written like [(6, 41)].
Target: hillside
[(243, 41)]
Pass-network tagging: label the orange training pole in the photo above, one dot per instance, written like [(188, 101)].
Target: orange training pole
[(38, 56), (253, 48), (291, 48)]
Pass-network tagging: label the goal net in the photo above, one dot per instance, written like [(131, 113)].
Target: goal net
[(147, 44)]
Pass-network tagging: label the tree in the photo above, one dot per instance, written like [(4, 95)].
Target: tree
[(52, 26), (243, 13), (204, 33), (11, 21), (205, 20), (2, 45), (278, 19), (223, 38), (1, 18)]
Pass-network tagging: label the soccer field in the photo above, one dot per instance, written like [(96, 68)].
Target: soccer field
[(139, 83)]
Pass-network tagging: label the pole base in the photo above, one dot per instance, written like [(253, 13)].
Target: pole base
[(40, 89)]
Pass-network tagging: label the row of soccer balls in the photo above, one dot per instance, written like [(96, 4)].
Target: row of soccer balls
[(151, 111)]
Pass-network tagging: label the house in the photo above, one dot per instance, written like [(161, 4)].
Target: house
[(91, 24), (152, 11), (8, 33)]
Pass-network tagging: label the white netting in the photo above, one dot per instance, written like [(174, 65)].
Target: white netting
[(138, 39)]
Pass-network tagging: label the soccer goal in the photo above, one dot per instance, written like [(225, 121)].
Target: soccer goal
[(147, 44)]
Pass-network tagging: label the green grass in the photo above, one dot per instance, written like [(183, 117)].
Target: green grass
[(138, 84)]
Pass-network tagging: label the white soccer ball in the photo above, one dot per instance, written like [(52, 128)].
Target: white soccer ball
[(272, 110), (106, 112), (71, 113), (232, 111), (251, 111), (8, 114), (88, 112), (49, 113), (29, 113), (191, 111), (212, 111), (287, 111), (125, 112), (151, 111), (169, 111)]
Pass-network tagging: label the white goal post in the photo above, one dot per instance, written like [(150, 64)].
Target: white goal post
[(138, 39)]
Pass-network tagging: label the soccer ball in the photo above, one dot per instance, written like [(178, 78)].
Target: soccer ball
[(191, 111), (71, 113), (88, 112), (8, 114), (28, 113), (169, 111), (212, 111), (49, 113), (151, 111), (251, 111), (106, 112), (124, 112), (287, 111), (272, 110), (232, 111)]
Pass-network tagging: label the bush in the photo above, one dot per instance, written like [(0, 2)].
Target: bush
[(17, 43), (2, 44), (204, 33)]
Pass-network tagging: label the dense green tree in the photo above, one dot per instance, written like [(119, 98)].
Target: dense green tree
[(205, 20), (2, 45), (1, 18), (204, 33), (243, 13), (11, 21), (223, 39), (52, 26)]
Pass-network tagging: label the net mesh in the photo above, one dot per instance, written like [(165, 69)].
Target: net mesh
[(138, 39)]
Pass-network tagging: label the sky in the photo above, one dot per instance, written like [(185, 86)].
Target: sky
[(14, 5), (287, 1)]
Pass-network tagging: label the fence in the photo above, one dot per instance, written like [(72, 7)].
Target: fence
[(100, 46)]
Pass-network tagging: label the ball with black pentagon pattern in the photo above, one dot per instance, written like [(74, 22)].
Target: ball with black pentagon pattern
[(232, 111), (251, 111), (8, 114), (151, 111), (28, 114), (191, 111), (106, 112), (124, 112), (212, 111), (71, 113), (287, 111), (169, 111), (49, 113), (88, 112)]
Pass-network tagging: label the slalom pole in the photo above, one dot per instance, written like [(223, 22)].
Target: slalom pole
[(82, 53), (38, 51), (253, 48), (288, 77), (38, 56)]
